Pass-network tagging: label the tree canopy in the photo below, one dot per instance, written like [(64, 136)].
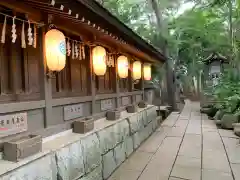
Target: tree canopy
[(193, 29)]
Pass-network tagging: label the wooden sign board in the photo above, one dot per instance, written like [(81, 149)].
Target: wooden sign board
[(13, 124), (106, 104), (73, 111), (125, 101)]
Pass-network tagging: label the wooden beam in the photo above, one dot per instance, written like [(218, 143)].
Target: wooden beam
[(46, 84), (117, 83), (92, 81), (78, 30), (33, 14), (142, 83)]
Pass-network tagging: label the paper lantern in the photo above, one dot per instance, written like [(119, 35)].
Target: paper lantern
[(147, 72), (137, 70), (55, 48), (99, 60), (122, 66)]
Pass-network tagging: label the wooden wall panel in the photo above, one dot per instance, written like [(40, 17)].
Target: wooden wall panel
[(58, 111), (19, 73), (72, 80), (106, 84), (32, 65), (125, 85)]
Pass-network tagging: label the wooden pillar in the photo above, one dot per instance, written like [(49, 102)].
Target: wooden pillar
[(142, 83), (117, 83), (170, 85), (131, 86), (92, 80), (46, 83)]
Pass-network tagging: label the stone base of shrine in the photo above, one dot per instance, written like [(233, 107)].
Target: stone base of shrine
[(91, 156)]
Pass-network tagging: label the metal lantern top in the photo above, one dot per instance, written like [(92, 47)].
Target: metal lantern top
[(215, 63), (215, 57)]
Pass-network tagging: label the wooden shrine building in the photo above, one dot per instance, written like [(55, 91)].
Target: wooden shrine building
[(66, 60)]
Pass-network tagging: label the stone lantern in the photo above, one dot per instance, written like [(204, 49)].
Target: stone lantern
[(214, 66)]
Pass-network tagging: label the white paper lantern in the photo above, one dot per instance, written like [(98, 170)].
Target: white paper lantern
[(55, 48), (122, 66), (147, 72), (137, 70), (99, 60)]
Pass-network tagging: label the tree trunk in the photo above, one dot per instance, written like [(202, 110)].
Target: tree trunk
[(163, 46), (230, 8)]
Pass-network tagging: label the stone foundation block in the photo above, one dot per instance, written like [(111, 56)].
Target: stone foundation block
[(119, 154), (70, 162), (111, 136), (145, 119), (151, 114), (107, 139), (134, 123), (149, 129), (44, 168), (155, 124), (123, 130), (136, 140), (128, 142), (96, 174), (140, 120), (91, 152), (109, 164), (143, 134), (94, 156)]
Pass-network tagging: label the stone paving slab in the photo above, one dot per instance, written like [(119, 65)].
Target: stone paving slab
[(153, 143), (231, 143), (174, 178), (236, 171), (227, 133), (215, 175), (186, 146), (137, 161), (188, 172), (125, 174), (188, 161)]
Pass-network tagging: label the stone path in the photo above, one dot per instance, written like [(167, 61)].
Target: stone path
[(186, 146)]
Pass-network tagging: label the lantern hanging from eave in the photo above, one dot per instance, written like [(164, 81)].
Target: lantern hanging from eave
[(99, 60), (147, 72), (137, 70), (122, 66), (55, 49)]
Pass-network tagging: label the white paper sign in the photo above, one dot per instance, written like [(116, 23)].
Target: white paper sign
[(13, 124), (125, 101), (106, 104), (73, 111)]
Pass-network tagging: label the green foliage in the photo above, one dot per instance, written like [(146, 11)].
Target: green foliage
[(227, 92), (209, 26)]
